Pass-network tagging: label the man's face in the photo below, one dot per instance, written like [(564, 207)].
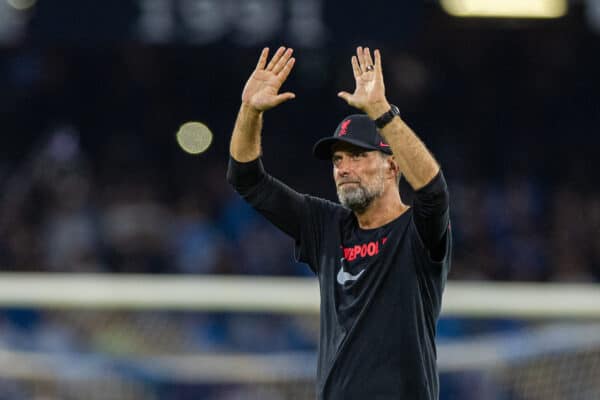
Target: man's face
[(359, 175)]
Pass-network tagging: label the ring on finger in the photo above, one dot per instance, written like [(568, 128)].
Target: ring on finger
[(369, 68)]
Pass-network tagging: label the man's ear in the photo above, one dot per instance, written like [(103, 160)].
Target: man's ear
[(393, 165)]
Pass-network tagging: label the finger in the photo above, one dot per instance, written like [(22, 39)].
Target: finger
[(361, 59), (275, 58), (285, 72), (283, 97), (355, 67), (345, 95), (378, 66), (283, 61), (368, 59), (262, 60)]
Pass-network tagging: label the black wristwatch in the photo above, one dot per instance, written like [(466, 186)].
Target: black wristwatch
[(385, 119)]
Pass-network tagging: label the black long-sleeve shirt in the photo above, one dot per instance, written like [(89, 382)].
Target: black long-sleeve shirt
[(381, 289)]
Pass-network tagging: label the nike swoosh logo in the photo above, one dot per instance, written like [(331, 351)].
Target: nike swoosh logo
[(384, 144), (343, 276)]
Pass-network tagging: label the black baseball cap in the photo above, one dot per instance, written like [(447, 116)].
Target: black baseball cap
[(356, 129)]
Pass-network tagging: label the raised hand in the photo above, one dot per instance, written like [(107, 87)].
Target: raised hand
[(262, 89), (369, 94)]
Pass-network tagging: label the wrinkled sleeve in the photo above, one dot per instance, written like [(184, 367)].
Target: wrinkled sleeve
[(432, 215), (301, 216), (281, 205)]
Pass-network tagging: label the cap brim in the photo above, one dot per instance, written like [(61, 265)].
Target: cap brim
[(322, 149)]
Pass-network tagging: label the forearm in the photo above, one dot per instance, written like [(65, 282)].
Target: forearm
[(246, 137), (414, 160)]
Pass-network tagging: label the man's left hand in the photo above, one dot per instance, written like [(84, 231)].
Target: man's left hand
[(369, 94)]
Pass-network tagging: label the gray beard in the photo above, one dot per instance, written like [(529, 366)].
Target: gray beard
[(358, 198)]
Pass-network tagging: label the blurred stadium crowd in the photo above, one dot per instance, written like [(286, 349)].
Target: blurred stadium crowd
[(92, 179)]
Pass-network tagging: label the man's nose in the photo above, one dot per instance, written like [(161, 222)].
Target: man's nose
[(342, 168)]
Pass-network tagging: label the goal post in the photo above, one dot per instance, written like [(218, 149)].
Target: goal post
[(278, 295), (129, 337)]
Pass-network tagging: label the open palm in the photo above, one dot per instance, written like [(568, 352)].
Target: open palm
[(262, 89), (368, 75)]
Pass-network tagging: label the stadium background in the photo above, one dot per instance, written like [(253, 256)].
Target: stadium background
[(92, 178)]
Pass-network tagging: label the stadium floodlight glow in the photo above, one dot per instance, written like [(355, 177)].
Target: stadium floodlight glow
[(21, 4), (506, 8), (194, 137)]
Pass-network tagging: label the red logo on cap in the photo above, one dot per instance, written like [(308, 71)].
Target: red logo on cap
[(344, 128)]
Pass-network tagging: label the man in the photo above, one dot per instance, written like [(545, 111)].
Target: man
[(381, 264)]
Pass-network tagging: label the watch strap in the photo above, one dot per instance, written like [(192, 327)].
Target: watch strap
[(386, 117)]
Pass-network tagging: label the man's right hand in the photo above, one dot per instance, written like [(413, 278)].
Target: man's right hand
[(261, 90)]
